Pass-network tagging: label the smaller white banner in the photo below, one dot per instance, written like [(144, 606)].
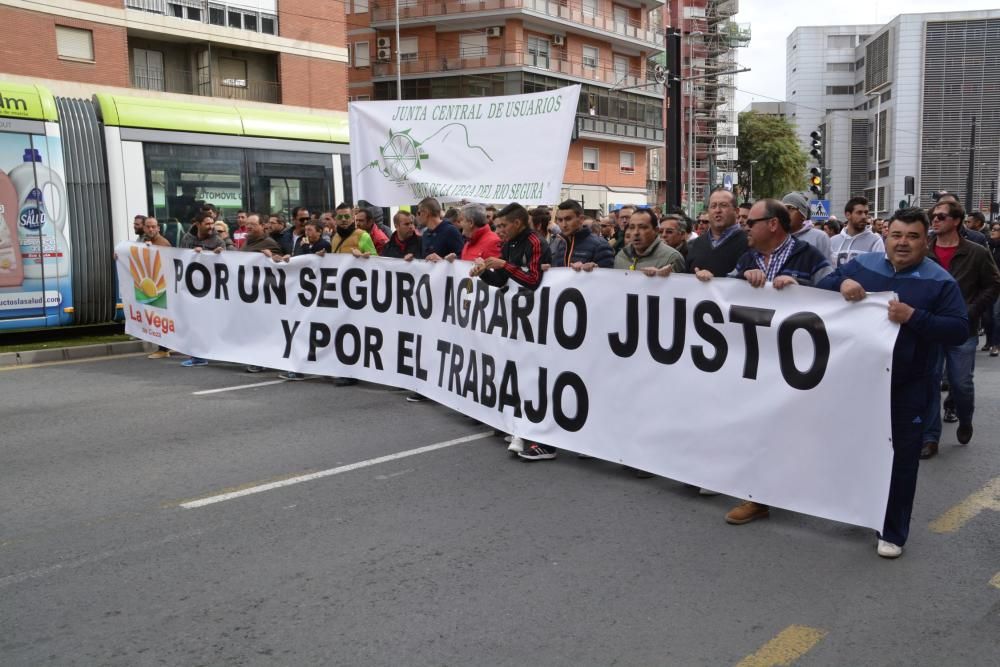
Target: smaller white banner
[(492, 150)]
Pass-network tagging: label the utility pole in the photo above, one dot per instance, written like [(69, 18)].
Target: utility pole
[(672, 131)]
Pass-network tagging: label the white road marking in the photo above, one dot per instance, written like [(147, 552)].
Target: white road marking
[(211, 500), (96, 558), (237, 387), (393, 474)]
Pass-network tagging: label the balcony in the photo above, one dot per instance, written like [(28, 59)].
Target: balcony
[(567, 16), (189, 82), (616, 130), (591, 73)]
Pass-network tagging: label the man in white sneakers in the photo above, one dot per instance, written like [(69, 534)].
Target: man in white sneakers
[(855, 239)]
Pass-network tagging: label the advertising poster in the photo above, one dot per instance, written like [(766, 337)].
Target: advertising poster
[(34, 241)]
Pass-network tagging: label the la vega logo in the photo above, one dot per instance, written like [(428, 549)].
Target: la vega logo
[(148, 281)]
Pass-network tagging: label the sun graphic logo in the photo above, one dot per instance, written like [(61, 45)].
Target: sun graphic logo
[(147, 277)]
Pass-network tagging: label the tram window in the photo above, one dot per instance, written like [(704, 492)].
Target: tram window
[(282, 180), (182, 179)]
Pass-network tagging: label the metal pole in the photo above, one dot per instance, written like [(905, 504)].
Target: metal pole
[(690, 147), (399, 59)]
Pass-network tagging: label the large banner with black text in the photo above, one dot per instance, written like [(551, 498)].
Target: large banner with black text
[(780, 397)]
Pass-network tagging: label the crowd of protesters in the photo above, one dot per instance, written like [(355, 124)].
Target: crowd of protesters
[(939, 262)]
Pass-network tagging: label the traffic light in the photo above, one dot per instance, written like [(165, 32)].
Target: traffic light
[(817, 145), (816, 182)]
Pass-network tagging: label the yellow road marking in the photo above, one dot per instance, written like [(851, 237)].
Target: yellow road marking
[(788, 646), (986, 498), (995, 581), (72, 361)]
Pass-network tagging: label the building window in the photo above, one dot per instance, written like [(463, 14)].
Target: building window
[(235, 19), (840, 67), (621, 17), (840, 41), (590, 159), (590, 56), (361, 6), (185, 9), (250, 22), (590, 8), (538, 52), (217, 15), (362, 58), (74, 43), (886, 96), (234, 72), (626, 162), (407, 48), (147, 69), (840, 90), (621, 68), (859, 63), (472, 45), (268, 24)]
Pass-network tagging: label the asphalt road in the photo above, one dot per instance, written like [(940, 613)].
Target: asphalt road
[(454, 556)]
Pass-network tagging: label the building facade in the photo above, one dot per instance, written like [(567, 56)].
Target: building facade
[(896, 104), (255, 51), (478, 48)]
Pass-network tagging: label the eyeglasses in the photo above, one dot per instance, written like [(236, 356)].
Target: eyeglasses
[(753, 221), (302, 219), (344, 216), (940, 216)]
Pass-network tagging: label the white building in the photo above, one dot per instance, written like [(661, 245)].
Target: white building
[(821, 81), (924, 77)]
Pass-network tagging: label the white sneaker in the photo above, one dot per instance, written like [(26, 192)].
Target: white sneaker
[(707, 492), (889, 550), (508, 438), (516, 445)]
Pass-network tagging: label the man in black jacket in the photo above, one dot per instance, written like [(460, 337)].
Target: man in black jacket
[(404, 243), (972, 266), (716, 252), (521, 258)]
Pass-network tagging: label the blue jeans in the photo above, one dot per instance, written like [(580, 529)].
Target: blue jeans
[(961, 364)]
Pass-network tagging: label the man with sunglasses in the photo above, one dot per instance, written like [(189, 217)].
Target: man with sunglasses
[(973, 268)]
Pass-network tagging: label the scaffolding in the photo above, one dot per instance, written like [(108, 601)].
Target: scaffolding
[(713, 37)]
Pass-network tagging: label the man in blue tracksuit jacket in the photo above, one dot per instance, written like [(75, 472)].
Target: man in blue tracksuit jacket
[(931, 312)]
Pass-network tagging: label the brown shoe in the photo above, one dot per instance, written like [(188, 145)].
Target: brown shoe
[(159, 354), (929, 450), (746, 512)]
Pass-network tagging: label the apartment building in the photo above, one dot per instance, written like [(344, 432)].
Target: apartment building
[(477, 48), (916, 85), (257, 51)]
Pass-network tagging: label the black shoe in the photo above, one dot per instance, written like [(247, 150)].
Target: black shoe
[(985, 348), (950, 416), (964, 433), (929, 450), (254, 369), (344, 382), (536, 452), (415, 398)]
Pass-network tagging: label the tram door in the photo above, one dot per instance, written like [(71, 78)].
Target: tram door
[(282, 180)]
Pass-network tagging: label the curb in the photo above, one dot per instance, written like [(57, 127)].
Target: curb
[(74, 353)]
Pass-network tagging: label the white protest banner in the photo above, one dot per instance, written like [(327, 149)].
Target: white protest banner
[(484, 149), (780, 397)]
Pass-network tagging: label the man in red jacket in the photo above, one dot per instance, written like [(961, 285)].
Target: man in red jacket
[(481, 242)]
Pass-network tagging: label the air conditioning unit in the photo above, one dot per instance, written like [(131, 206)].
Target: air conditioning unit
[(384, 54), (494, 31), (384, 43), (558, 40)]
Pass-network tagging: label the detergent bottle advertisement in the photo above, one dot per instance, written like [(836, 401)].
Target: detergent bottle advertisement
[(35, 250)]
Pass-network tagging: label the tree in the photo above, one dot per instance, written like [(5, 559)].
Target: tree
[(780, 163)]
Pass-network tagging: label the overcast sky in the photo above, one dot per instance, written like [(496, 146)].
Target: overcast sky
[(771, 21)]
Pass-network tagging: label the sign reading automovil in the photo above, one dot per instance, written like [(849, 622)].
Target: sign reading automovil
[(484, 149), (716, 384)]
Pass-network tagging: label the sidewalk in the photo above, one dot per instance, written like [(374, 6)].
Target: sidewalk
[(28, 357)]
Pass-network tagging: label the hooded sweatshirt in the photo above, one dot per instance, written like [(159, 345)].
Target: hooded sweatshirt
[(844, 247)]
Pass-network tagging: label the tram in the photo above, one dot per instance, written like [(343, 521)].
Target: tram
[(75, 172)]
